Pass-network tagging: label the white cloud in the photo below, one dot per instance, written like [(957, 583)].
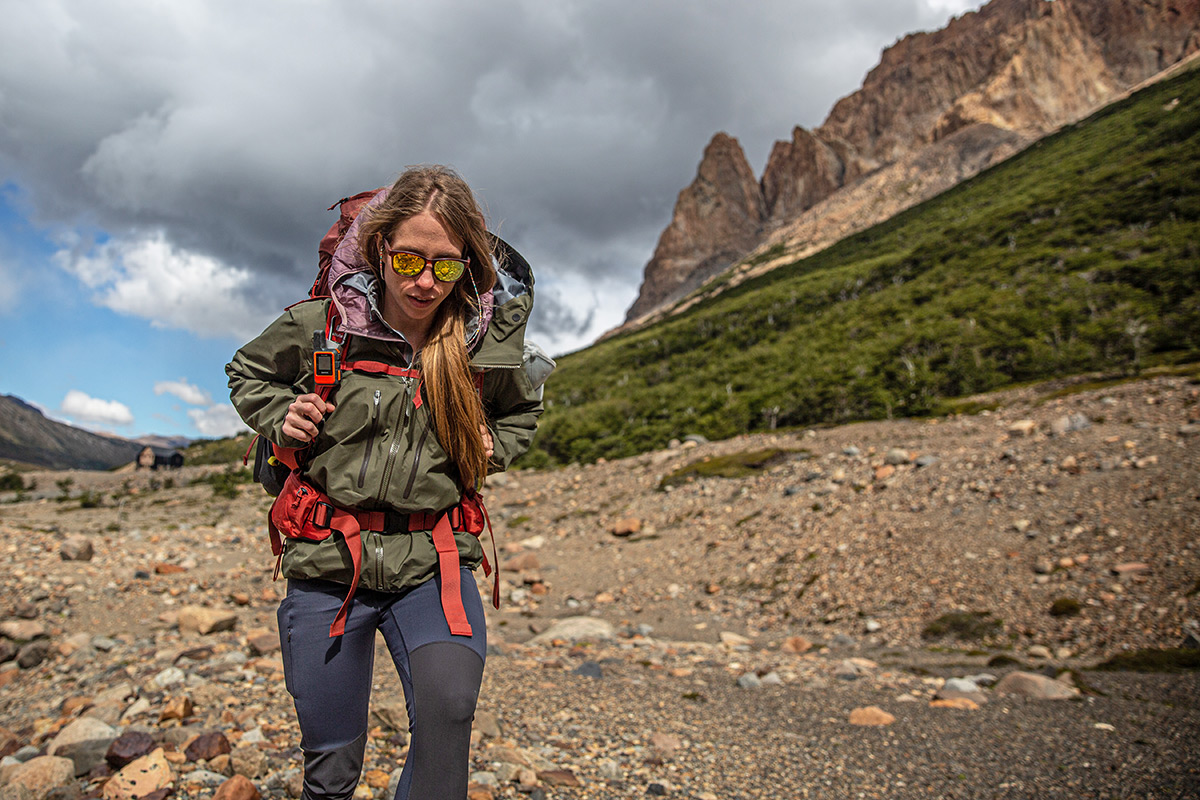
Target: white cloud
[(211, 159), (188, 393), (146, 276), (951, 7), (220, 420), (90, 409)]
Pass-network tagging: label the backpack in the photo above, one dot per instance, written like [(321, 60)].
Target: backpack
[(273, 463)]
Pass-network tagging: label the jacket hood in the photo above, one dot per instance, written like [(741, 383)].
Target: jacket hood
[(355, 293)]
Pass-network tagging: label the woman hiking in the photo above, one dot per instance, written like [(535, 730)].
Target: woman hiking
[(380, 519)]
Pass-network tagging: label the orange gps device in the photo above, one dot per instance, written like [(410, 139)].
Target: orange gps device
[(327, 367)]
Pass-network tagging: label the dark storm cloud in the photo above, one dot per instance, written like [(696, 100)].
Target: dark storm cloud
[(230, 127)]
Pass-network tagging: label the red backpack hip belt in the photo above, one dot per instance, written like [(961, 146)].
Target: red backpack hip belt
[(302, 511)]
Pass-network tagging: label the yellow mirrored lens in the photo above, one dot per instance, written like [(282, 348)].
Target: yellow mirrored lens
[(448, 270), (407, 264)]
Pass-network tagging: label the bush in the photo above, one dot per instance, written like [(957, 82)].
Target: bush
[(11, 482), (225, 483)]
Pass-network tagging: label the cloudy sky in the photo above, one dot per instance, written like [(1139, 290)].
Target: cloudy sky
[(165, 167)]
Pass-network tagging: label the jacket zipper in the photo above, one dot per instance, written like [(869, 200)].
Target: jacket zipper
[(362, 473), (412, 475), (378, 560), (395, 448)]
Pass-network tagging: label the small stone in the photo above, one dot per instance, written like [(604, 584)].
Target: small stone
[(33, 653), (376, 778), (731, 639), (962, 703), (871, 715), (1021, 525), (1039, 651), (22, 630), (626, 527), (1038, 687), (771, 679), (176, 708), (1130, 569), (884, 472), (522, 562), (76, 548), (248, 760), (140, 777), (171, 676), (872, 626), (1022, 427), (391, 714), (127, 747), (239, 787), (558, 777), (204, 620), (927, 461), (749, 681), (84, 741), (206, 746), (796, 644), (960, 685), (575, 629), (262, 641), (589, 669), (42, 774)]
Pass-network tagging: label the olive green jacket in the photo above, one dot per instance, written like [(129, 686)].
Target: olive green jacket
[(378, 449)]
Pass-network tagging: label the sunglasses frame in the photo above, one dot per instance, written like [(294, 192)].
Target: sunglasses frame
[(427, 262)]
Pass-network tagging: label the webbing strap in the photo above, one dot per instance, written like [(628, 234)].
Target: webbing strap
[(447, 550), (350, 525), (380, 368)]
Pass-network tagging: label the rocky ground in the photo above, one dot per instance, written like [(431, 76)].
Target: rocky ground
[(728, 637)]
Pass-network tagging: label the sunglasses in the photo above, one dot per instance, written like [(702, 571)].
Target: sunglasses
[(409, 265)]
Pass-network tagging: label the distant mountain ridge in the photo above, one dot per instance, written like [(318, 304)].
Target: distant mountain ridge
[(29, 437), (938, 108), (1076, 256)]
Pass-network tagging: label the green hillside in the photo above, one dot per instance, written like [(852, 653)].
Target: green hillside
[(1080, 254)]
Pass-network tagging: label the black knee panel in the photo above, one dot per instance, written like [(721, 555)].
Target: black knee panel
[(333, 774)]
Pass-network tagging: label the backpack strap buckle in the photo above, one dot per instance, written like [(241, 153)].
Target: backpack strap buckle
[(322, 514)]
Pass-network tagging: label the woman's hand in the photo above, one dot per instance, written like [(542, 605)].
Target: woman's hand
[(304, 415), (488, 444)]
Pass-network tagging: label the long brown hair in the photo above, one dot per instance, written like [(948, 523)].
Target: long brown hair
[(445, 363)]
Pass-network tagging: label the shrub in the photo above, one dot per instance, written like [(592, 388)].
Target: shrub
[(11, 482)]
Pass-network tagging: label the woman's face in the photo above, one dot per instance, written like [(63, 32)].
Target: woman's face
[(409, 302)]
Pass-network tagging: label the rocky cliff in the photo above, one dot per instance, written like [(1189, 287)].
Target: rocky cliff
[(938, 108)]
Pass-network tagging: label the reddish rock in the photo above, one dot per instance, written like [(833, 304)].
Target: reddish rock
[(626, 527), (558, 777), (871, 715), (76, 548), (239, 787), (522, 562), (206, 746), (796, 644), (176, 708), (128, 747)]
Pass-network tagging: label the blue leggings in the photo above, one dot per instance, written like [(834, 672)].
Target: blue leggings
[(330, 681)]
